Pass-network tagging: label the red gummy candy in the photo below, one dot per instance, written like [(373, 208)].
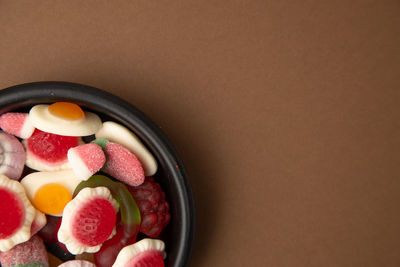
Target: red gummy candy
[(151, 258), (94, 222), (51, 148), (152, 205), (12, 213)]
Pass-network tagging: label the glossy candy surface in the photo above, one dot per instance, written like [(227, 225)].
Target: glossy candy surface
[(88, 220), (64, 118), (48, 152), (50, 191), (66, 110), (16, 213), (146, 252)]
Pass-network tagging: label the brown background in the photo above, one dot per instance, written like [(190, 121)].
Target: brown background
[(286, 113)]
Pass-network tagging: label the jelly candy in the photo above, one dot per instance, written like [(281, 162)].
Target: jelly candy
[(49, 192), (121, 163), (29, 253), (86, 160), (12, 156), (48, 152), (64, 118), (16, 213), (119, 134), (146, 252), (88, 220), (17, 124), (127, 227), (153, 208)]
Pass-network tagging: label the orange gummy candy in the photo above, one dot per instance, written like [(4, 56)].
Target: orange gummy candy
[(66, 110)]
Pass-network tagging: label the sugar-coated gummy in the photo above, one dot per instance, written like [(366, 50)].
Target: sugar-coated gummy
[(86, 159), (121, 163), (17, 124), (29, 253), (118, 133)]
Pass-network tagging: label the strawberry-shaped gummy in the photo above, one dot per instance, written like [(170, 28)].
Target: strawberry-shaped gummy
[(153, 208)]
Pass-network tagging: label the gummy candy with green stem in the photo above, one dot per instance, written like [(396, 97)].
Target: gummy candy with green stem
[(127, 227)]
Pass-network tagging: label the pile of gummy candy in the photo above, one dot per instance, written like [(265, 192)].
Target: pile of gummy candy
[(70, 179)]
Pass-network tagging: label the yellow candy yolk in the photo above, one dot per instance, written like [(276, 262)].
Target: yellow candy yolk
[(51, 198), (66, 110)]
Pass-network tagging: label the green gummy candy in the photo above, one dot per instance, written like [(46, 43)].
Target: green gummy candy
[(101, 142)]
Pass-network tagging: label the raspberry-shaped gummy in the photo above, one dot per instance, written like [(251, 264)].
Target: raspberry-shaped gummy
[(150, 199)]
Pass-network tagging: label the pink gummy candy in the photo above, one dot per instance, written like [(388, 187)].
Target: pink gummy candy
[(17, 124), (29, 253), (123, 165), (86, 159)]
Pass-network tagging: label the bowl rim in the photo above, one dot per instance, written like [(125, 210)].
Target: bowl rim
[(23, 94)]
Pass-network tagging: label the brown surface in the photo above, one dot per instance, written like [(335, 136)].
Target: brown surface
[(286, 113)]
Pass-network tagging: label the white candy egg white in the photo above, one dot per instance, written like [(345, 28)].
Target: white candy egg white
[(129, 252), (65, 235), (42, 119), (32, 182)]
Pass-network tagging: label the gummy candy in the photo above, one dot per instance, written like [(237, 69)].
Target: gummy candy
[(127, 227)]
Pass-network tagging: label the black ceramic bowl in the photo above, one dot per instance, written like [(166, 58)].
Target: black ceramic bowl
[(179, 234)]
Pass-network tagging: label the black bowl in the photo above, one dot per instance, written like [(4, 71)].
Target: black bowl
[(179, 234)]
